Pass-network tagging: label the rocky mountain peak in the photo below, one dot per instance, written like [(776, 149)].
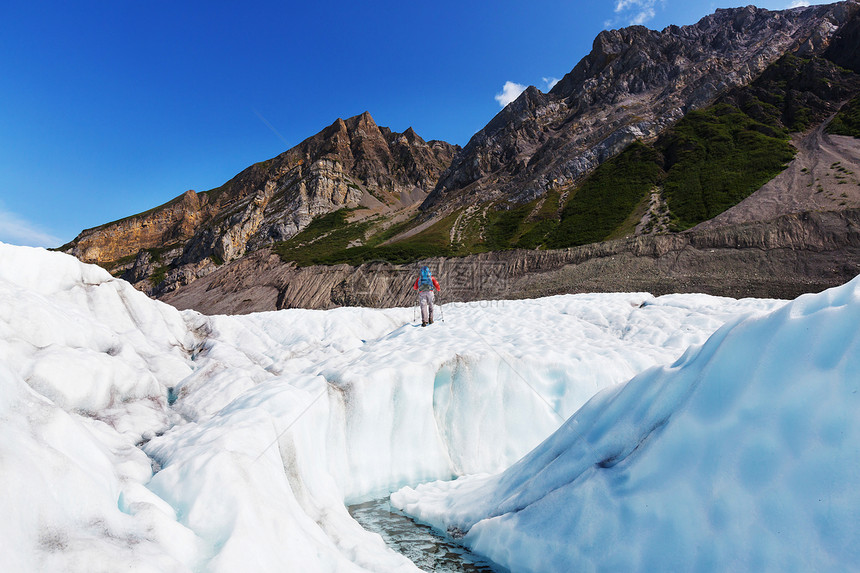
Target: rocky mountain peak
[(336, 130), (634, 84), (412, 137), (352, 163), (362, 121), (191, 200), (362, 126)]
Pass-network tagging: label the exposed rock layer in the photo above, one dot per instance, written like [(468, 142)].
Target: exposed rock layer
[(173, 222), (783, 258)]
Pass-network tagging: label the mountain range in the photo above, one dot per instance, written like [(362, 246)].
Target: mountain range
[(734, 137)]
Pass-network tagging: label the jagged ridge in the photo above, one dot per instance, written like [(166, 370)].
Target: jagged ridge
[(352, 163), (634, 84)]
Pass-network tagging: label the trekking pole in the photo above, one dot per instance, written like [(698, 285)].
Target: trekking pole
[(441, 312)]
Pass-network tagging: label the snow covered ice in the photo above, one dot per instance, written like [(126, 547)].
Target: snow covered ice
[(741, 456), (282, 418)]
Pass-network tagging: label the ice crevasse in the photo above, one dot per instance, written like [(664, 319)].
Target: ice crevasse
[(147, 439)]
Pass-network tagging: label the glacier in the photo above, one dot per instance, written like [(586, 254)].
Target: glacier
[(142, 438), (741, 456)]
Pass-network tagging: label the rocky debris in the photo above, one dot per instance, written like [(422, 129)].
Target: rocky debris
[(781, 258), (656, 219), (633, 85), (824, 176)]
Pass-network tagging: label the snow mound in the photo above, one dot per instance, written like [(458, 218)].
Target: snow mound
[(61, 477), (470, 395), (88, 342), (85, 366), (743, 455)]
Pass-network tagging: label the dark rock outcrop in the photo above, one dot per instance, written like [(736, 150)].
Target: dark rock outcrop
[(845, 47), (782, 258)]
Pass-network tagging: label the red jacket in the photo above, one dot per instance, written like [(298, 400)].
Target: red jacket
[(435, 283)]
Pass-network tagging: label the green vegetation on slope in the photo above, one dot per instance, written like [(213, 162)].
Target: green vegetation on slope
[(159, 275), (431, 242), (523, 226), (847, 121), (795, 93), (715, 158), (503, 226), (324, 235), (606, 198), (533, 233), (326, 240)]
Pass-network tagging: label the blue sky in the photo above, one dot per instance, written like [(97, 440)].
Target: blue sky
[(109, 109)]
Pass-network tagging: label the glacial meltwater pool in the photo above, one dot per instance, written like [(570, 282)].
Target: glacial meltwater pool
[(427, 548)]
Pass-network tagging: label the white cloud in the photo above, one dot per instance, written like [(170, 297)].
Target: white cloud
[(798, 4), (509, 93), (634, 12), (641, 17), (550, 82), (17, 231)]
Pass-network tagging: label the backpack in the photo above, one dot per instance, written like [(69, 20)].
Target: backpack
[(425, 280)]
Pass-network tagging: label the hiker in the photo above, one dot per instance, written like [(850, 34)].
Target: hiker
[(424, 284)]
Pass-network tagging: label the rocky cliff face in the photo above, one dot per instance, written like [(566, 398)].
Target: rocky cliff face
[(633, 85), (352, 163), (171, 223), (845, 50)]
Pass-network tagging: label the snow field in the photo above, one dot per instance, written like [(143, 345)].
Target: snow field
[(743, 455), (279, 417), (473, 394)]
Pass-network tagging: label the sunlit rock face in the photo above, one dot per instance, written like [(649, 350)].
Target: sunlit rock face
[(170, 223), (352, 163)]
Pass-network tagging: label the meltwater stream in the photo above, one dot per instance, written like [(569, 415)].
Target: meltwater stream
[(423, 545)]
